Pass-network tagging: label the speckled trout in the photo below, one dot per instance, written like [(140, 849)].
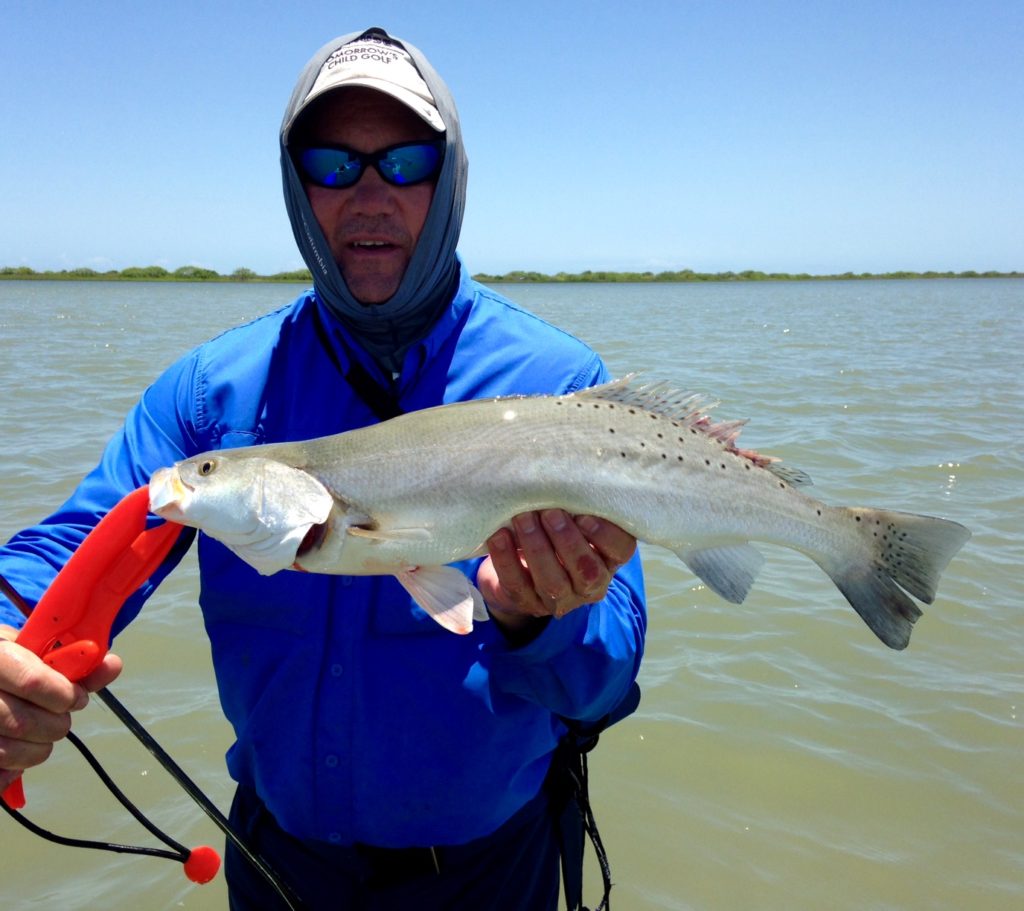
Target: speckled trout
[(409, 496)]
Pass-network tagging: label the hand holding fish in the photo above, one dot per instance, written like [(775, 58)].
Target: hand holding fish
[(36, 702), (549, 564)]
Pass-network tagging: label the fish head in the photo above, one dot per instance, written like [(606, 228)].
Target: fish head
[(258, 507)]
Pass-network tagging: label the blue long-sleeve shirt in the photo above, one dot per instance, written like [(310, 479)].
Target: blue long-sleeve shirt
[(356, 717)]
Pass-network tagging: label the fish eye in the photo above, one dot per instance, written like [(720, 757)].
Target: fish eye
[(207, 466)]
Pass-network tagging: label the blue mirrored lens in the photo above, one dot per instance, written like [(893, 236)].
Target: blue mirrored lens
[(410, 163), (400, 165), (331, 167)]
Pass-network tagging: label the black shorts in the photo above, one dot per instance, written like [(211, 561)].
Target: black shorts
[(515, 868)]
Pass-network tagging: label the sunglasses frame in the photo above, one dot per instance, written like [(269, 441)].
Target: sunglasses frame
[(367, 159)]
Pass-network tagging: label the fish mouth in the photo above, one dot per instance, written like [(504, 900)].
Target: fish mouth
[(169, 495)]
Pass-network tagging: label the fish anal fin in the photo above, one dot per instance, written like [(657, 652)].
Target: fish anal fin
[(445, 594), (728, 570)]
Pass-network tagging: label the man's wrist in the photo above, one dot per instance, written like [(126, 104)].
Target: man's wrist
[(518, 629)]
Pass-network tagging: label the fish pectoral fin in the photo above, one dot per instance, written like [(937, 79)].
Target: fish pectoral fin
[(728, 570), (445, 594), (390, 534)]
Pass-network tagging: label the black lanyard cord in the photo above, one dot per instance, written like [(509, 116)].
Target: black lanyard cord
[(178, 851), (201, 800)]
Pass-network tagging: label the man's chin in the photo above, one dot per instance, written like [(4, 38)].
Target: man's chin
[(370, 288)]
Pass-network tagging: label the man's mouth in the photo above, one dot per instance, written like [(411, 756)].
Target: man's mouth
[(372, 245)]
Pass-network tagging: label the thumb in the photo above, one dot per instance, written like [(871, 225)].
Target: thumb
[(108, 671)]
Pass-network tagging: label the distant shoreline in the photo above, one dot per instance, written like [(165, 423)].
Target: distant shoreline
[(196, 274)]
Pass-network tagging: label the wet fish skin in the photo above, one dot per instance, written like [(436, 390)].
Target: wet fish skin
[(428, 488)]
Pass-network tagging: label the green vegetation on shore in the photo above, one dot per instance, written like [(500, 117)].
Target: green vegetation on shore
[(154, 274), (750, 275), (197, 274)]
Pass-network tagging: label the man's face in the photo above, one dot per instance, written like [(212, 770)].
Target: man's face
[(372, 226)]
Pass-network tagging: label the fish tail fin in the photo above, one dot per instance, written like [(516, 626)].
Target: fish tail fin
[(908, 554)]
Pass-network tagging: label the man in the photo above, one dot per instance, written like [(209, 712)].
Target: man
[(381, 761)]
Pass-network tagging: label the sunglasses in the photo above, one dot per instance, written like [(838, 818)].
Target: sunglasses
[(402, 165)]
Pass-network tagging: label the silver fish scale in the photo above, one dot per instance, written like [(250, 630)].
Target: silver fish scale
[(464, 470), (428, 488)]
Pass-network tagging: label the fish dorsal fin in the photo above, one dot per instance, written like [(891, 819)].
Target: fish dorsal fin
[(660, 398), (794, 477), (687, 409)]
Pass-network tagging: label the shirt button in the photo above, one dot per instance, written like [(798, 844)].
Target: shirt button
[(346, 581), (334, 838), (336, 670), (331, 761)]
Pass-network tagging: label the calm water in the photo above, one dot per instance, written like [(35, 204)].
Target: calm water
[(782, 758)]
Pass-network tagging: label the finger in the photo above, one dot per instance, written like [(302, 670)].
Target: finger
[(551, 582), (613, 543), (23, 722), (587, 572), (18, 755), (108, 671), (6, 777), (24, 675), (513, 577)]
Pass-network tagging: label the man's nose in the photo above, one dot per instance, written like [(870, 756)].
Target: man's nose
[(372, 195)]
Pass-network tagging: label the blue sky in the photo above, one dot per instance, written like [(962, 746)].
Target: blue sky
[(798, 136)]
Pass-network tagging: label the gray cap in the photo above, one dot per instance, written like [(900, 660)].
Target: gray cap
[(374, 63)]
